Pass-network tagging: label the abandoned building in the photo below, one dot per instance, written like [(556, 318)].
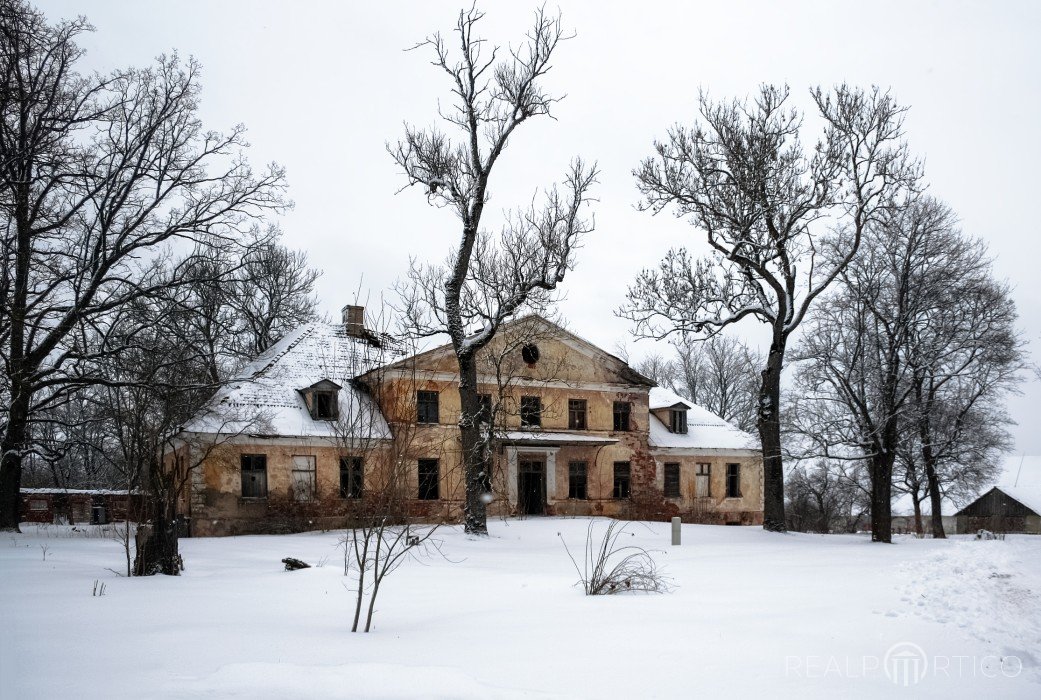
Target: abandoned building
[(1012, 505), (333, 415)]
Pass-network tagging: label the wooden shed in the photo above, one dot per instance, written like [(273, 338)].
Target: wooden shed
[(79, 506), (1003, 509)]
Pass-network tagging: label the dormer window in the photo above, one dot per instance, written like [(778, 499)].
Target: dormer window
[(678, 420), (322, 401), (324, 407)]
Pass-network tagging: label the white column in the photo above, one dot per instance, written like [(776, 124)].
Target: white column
[(551, 474), (511, 475)]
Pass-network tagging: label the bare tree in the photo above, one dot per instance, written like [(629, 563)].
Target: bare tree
[(722, 375), (101, 176), (916, 316), (770, 210), (487, 278)]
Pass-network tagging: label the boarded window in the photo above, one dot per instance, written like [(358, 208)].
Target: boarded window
[(38, 504), (323, 405), (672, 480), (428, 480), (303, 477), (576, 480), (622, 475), (703, 480), (679, 421), (576, 414), (351, 477), (254, 476), (427, 410), (622, 410), (531, 412), (733, 481)]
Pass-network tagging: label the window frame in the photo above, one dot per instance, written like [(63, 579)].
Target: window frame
[(707, 473), (733, 473), (332, 405), (678, 421), (526, 415), (252, 458), (428, 407), (622, 487), (675, 482), (622, 412), (577, 408), (312, 470), (578, 480), (427, 491), (353, 467), (484, 408)]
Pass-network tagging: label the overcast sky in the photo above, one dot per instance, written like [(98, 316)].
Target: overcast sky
[(323, 86)]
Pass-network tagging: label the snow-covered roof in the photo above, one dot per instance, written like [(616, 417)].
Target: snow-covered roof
[(75, 492), (266, 400), (705, 430), (1021, 479)]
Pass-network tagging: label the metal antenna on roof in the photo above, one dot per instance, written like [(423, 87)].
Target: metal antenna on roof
[(1020, 470)]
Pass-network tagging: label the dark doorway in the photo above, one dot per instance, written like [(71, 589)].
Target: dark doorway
[(531, 488)]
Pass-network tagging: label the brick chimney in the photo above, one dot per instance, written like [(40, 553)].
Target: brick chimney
[(354, 320)]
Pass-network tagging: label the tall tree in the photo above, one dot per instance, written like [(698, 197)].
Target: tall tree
[(101, 175), (486, 279), (769, 209)]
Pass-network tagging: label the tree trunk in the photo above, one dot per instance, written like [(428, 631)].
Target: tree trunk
[(882, 497), (770, 436), (475, 509), (12, 445), (917, 514), (935, 501), (157, 548)]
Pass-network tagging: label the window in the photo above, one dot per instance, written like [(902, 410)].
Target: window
[(303, 477), (484, 409), (576, 480), (254, 476), (351, 477), (576, 414), (678, 420), (38, 504), (428, 480), (703, 480), (622, 472), (323, 405), (531, 412), (672, 480), (427, 407), (733, 481), (530, 354), (622, 409)]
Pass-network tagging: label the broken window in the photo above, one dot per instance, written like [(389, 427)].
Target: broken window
[(254, 476), (622, 409), (323, 405), (303, 477), (576, 480), (702, 480), (531, 412), (351, 476), (678, 420), (672, 480), (733, 481), (576, 414), (427, 407), (622, 471), (428, 480)]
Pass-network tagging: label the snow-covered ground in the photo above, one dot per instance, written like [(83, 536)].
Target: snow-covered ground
[(751, 614)]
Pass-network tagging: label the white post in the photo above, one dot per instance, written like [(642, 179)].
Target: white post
[(675, 531)]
